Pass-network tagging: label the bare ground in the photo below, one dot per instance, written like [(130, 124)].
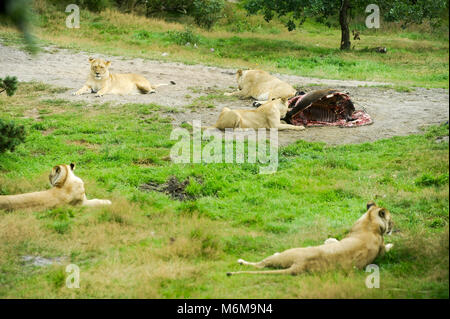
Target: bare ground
[(394, 113)]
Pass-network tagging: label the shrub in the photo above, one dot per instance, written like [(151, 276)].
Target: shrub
[(170, 6), (91, 5), (207, 12), (11, 135), (8, 84), (183, 37)]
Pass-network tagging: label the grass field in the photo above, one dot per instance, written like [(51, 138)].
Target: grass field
[(416, 56), (147, 245)]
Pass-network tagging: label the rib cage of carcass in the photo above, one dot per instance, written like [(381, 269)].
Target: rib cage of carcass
[(325, 108)]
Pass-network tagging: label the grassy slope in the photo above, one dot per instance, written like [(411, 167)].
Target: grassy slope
[(147, 245), (414, 59)]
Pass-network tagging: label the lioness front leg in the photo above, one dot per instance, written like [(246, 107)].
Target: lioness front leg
[(96, 202), (283, 127), (83, 90), (235, 93), (101, 92)]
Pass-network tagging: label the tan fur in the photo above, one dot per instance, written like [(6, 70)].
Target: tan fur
[(67, 189), (101, 81), (261, 86), (358, 249), (266, 116)]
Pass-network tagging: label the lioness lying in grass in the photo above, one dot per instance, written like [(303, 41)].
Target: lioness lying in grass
[(101, 81), (67, 189), (358, 249), (266, 116)]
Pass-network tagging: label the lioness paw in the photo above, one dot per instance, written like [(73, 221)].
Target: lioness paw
[(331, 241), (227, 94)]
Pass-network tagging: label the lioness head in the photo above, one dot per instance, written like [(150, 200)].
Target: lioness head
[(381, 217), (283, 106), (60, 174), (99, 68)]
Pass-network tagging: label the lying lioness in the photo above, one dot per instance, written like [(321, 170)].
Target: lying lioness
[(266, 116), (101, 81), (261, 86), (67, 189), (358, 249)]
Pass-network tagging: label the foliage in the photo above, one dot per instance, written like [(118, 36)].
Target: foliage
[(186, 36), (94, 5), (414, 11), (169, 6), (18, 11), (407, 11), (8, 84), (11, 135), (207, 12)]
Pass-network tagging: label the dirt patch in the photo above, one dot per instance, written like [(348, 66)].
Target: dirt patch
[(394, 113), (32, 114), (38, 261), (173, 187), (84, 143)]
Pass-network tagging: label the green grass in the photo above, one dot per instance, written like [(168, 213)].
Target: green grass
[(147, 245), (413, 58)]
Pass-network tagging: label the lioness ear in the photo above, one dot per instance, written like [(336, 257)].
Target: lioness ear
[(91, 60), (239, 72), (382, 213), (58, 176), (370, 204), (72, 166), (108, 63)]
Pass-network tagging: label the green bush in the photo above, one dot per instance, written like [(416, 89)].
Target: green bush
[(8, 84), (183, 37), (93, 5), (11, 135), (207, 12), (169, 6)]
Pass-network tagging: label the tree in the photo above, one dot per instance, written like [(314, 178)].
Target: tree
[(407, 11), (11, 135), (18, 12)]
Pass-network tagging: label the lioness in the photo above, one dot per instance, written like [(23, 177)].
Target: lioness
[(358, 249), (266, 116), (261, 86), (67, 189), (101, 81)]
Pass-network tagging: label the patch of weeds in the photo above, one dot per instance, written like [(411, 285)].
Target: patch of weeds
[(427, 180), (339, 163), (57, 277), (186, 36), (60, 219), (111, 217)]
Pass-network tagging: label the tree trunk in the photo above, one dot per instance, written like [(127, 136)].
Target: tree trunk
[(343, 21)]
